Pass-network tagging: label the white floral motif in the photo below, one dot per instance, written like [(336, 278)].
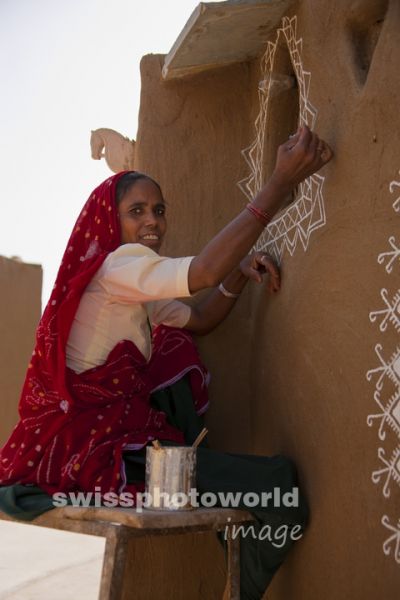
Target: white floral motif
[(387, 388), (391, 470), (396, 203), (390, 414), (388, 368), (391, 254), (390, 313), (393, 539)]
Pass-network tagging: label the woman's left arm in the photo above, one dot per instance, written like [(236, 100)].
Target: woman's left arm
[(215, 307)]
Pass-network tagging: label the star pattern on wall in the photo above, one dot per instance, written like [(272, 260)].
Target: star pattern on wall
[(386, 377), (298, 221), (393, 541)]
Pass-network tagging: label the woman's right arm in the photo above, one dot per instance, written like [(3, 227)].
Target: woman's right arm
[(297, 159)]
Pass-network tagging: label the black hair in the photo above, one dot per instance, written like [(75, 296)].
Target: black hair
[(128, 180)]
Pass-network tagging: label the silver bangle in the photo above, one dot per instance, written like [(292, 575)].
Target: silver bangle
[(226, 293)]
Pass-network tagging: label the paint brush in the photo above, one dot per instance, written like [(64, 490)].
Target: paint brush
[(200, 437)]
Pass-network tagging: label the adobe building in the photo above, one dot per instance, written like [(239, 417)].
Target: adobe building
[(314, 371), (20, 308)]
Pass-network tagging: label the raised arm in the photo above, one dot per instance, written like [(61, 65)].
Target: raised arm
[(297, 159), (207, 314)]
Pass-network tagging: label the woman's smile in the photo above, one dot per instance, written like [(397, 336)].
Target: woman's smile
[(152, 240), (150, 236), (142, 215)]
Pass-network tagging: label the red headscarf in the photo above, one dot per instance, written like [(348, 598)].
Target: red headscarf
[(73, 427)]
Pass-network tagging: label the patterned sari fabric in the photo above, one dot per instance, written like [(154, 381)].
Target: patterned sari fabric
[(74, 428)]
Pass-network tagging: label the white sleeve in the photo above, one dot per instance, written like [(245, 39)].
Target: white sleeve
[(170, 312), (135, 273)]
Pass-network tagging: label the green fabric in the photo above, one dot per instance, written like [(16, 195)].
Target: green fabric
[(217, 472), (24, 502), (177, 403)]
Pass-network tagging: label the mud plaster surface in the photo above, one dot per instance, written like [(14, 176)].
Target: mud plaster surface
[(20, 286), (289, 372)]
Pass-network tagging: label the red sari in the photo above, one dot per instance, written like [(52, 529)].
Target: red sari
[(74, 428)]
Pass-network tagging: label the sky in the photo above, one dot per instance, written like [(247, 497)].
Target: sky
[(67, 67)]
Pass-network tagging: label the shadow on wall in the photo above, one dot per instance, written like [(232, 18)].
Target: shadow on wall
[(364, 27)]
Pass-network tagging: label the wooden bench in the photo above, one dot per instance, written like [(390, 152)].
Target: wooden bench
[(120, 525)]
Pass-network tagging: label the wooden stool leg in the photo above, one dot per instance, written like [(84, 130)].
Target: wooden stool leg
[(232, 590), (112, 574)]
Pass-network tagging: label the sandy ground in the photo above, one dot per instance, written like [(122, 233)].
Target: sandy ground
[(44, 564)]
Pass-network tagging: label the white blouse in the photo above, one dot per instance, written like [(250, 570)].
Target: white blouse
[(134, 286)]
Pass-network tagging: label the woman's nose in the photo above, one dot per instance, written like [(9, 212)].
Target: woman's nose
[(150, 218)]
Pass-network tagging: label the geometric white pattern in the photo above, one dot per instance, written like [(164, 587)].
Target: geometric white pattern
[(393, 540), (390, 471), (392, 186), (391, 313), (391, 255), (307, 213), (387, 389)]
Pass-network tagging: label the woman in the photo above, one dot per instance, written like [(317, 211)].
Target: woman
[(114, 366)]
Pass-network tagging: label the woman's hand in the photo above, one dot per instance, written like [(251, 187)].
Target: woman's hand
[(256, 265), (298, 158)]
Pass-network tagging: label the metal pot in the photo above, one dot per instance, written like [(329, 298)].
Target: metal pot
[(170, 477)]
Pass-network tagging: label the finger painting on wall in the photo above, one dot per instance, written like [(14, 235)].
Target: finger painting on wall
[(307, 213)]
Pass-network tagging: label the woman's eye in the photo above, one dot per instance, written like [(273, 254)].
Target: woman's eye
[(138, 210)]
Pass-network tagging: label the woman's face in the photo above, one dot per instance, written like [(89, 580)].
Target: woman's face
[(142, 215)]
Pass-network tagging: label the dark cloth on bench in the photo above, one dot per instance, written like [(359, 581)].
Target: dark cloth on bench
[(24, 502), (218, 473), (221, 473)]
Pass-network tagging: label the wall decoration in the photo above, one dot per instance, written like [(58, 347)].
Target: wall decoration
[(386, 377), (297, 222), (393, 541)]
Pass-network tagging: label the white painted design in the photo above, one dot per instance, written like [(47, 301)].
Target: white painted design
[(393, 541), (391, 313), (307, 213), (386, 377), (390, 256), (392, 186), (388, 368), (389, 472), (389, 415)]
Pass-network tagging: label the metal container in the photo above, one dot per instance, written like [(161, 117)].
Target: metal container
[(170, 477)]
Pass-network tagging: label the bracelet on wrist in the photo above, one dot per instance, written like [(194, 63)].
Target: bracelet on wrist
[(261, 215), (225, 292)]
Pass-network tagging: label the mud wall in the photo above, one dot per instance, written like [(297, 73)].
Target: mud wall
[(312, 372), (20, 307)]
